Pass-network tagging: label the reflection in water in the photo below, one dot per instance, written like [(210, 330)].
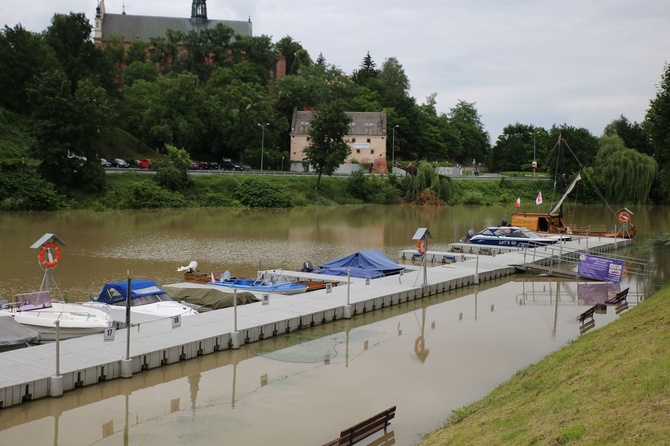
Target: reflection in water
[(254, 394)]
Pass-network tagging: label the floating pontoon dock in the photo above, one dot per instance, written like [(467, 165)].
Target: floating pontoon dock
[(51, 369)]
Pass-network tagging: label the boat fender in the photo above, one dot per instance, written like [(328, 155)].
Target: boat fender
[(49, 255)]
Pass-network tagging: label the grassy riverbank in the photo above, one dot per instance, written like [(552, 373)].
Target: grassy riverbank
[(611, 386)]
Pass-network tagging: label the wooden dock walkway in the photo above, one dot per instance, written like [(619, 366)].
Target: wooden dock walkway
[(38, 372)]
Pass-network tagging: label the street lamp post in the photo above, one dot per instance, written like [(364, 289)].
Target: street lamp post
[(263, 141), (393, 147)]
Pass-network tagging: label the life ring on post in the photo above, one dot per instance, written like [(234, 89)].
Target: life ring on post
[(421, 246), (49, 255), (624, 217)]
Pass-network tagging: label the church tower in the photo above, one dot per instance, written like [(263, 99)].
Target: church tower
[(199, 12), (99, 13)]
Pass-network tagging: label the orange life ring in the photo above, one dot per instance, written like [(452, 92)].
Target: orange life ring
[(421, 247), (49, 255), (624, 216)]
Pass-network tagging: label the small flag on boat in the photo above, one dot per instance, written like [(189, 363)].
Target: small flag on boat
[(538, 200), (517, 203)]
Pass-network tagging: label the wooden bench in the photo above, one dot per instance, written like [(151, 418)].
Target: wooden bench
[(588, 314), (364, 429), (618, 298)]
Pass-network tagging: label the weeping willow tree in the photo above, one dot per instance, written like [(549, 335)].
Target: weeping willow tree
[(426, 180), (628, 174)]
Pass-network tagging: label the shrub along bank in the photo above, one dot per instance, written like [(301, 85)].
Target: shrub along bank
[(22, 189), (611, 386)]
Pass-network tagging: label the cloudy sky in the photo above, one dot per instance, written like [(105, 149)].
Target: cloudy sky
[(541, 62)]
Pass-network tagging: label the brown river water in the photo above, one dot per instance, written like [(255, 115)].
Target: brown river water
[(427, 357)]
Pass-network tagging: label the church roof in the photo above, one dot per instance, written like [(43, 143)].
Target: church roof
[(146, 27)]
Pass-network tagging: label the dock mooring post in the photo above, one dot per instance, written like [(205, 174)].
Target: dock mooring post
[(56, 381), (235, 335), (348, 310)]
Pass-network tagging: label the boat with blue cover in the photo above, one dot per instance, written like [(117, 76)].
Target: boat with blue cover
[(271, 282)]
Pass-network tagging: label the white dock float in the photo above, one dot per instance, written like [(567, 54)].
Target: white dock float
[(30, 373)]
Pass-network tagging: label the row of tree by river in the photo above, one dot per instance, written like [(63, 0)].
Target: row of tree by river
[(62, 99)]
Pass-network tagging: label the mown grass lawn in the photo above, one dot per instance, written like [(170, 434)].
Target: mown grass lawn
[(609, 387)]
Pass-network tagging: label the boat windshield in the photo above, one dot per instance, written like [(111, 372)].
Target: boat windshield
[(120, 300)]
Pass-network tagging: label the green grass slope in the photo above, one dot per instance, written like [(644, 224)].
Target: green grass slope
[(609, 387)]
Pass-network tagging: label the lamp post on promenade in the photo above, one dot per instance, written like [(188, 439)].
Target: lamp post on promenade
[(263, 141), (393, 147)]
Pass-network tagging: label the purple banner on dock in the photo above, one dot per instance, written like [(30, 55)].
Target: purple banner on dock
[(600, 268)]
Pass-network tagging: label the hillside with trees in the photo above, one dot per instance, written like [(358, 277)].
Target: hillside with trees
[(64, 100)]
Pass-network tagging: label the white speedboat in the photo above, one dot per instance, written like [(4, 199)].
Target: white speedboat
[(513, 236), (37, 311), (147, 299)]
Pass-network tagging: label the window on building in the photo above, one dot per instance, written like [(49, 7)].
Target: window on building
[(358, 150), (353, 140), (368, 140)]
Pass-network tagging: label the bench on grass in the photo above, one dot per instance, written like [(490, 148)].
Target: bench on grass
[(588, 314), (618, 298), (364, 429)]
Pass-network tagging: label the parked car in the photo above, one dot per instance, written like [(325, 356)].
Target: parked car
[(228, 164), (202, 165), (118, 162), (145, 163), (105, 163), (195, 165), (133, 163), (212, 165)]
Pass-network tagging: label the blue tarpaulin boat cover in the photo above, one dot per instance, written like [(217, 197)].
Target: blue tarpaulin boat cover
[(117, 291), (372, 263)]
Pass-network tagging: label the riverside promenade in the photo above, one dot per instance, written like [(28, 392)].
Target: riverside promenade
[(52, 369)]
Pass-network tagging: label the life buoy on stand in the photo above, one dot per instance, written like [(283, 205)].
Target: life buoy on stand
[(422, 246), (624, 217), (49, 255)]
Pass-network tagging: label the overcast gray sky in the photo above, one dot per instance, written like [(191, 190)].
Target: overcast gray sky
[(578, 62)]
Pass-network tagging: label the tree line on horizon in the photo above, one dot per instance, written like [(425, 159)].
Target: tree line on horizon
[(208, 93)]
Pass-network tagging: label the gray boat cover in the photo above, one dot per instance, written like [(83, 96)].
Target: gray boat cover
[(372, 263), (209, 296), (13, 333)]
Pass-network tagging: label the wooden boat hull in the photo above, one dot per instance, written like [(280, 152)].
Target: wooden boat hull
[(554, 224)]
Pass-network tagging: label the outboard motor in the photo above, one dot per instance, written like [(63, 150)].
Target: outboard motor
[(468, 236), (4, 305), (503, 222), (307, 267)]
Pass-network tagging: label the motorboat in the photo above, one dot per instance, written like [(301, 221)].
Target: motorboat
[(37, 311), (512, 236), (12, 334), (146, 298), (267, 282)]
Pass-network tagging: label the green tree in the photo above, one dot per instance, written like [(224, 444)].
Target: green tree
[(328, 149), (517, 147), (137, 51), (295, 55), (368, 70), (24, 55), (139, 70), (657, 123), (70, 38), (473, 139), (172, 174), (66, 128), (627, 174), (633, 134)]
